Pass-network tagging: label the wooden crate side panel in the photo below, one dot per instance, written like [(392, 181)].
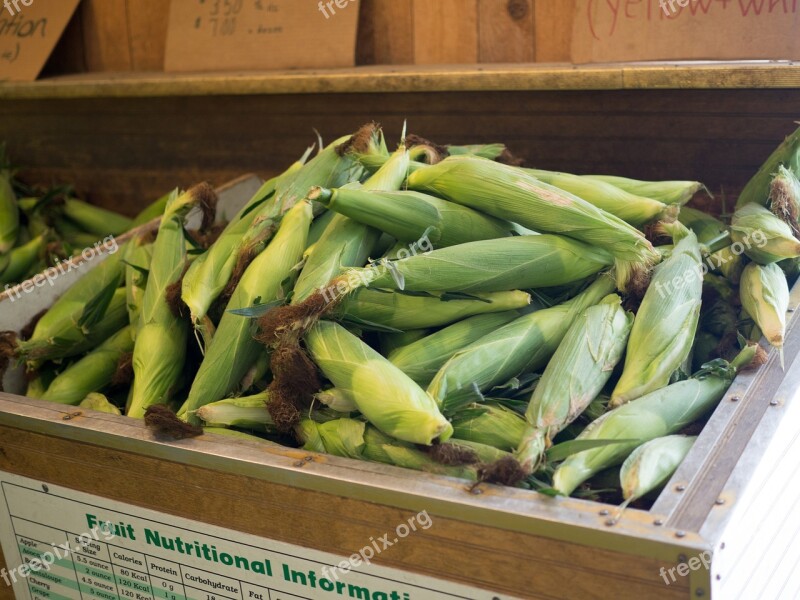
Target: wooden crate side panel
[(506, 31), (475, 555), (385, 33), (554, 20), (445, 31), (124, 153)]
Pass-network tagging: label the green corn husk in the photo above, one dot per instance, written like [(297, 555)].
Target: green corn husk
[(665, 324), (346, 242), (490, 151), (523, 345), (92, 373), (19, 261), (579, 369), (392, 342), (95, 220), (650, 466), (729, 263), (160, 350), (659, 413), (337, 400), (522, 262), (99, 403), (633, 209), (784, 198), (787, 154), (423, 358), (233, 350), (387, 397), (668, 192), (410, 216), (151, 212), (238, 435), (138, 257), (704, 226), (247, 412), (318, 227), (764, 293), (104, 316), (402, 311), (490, 424), (9, 213), (510, 193), (764, 237)]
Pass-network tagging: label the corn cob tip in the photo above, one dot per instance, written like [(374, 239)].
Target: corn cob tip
[(760, 358), (360, 141), (164, 422), (434, 152), (27, 332), (123, 376), (205, 198), (282, 320), (633, 278), (506, 471), (784, 203), (320, 194), (294, 385), (173, 295), (453, 455)]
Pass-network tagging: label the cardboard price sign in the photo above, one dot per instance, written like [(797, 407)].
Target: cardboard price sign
[(630, 30), (29, 30), (217, 35)]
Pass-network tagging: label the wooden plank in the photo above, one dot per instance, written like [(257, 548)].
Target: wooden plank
[(69, 55), (445, 31), (385, 33), (554, 30), (507, 33), (106, 36), (475, 555), (147, 27)]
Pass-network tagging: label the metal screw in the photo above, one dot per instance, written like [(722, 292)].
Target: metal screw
[(681, 558), (680, 488), (735, 398), (45, 489), (610, 522), (71, 416), (719, 501), (603, 513), (719, 577), (658, 522), (680, 534), (722, 546), (476, 491), (699, 592), (773, 403), (790, 310)]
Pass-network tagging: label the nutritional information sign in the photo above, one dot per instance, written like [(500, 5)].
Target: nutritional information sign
[(65, 545)]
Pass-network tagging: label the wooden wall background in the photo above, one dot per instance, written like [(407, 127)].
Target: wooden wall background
[(130, 35)]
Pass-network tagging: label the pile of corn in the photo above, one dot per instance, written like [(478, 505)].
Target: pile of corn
[(437, 309), (39, 229)]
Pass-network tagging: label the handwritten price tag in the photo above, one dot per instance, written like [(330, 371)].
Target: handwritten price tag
[(28, 35), (224, 35)]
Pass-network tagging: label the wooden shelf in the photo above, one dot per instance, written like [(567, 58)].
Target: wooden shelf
[(456, 78)]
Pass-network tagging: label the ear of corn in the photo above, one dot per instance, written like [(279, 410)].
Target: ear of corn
[(337, 400), (650, 466), (387, 397), (490, 151), (160, 350), (525, 344), (233, 350), (96, 220), (409, 216), (784, 198), (579, 369), (522, 262), (423, 358), (247, 412), (668, 192), (403, 311), (665, 325), (318, 227), (764, 293), (92, 373), (510, 193), (18, 261), (704, 226), (788, 155), (99, 403), (659, 413), (392, 342), (633, 209), (9, 213), (764, 237), (491, 425)]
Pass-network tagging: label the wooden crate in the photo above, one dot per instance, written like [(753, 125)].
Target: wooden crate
[(131, 139)]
